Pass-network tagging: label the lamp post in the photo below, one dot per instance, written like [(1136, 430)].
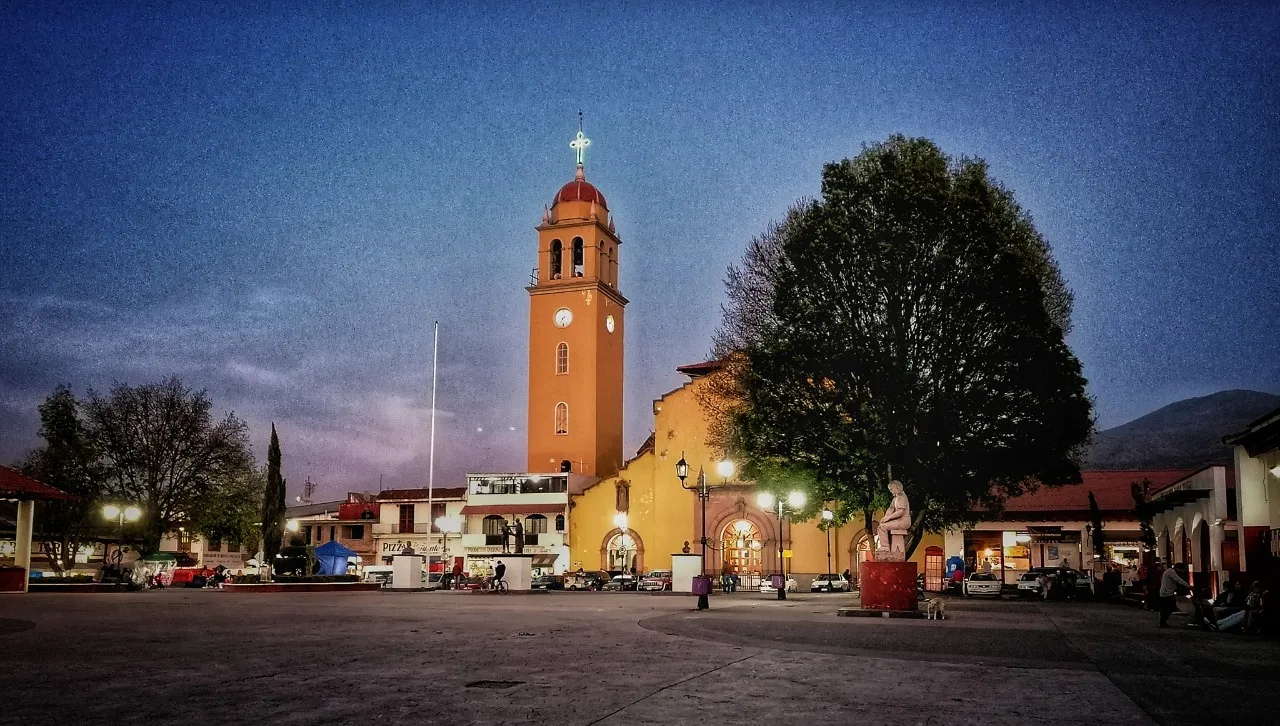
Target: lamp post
[(767, 501), (827, 517), (120, 514), (725, 469), (620, 521)]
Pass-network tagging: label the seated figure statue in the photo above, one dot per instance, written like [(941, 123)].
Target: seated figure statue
[(891, 533)]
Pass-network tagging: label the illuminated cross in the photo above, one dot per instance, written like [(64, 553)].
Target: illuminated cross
[(580, 144)]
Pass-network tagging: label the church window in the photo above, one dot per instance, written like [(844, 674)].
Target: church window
[(562, 359), (562, 418), (578, 257), (556, 254)]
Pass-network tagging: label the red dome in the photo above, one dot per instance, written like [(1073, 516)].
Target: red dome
[(579, 190)]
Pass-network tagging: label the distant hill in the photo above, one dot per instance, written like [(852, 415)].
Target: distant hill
[(1187, 434)]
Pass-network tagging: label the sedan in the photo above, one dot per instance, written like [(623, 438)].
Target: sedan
[(548, 582), (981, 583), (766, 584), (830, 583), (620, 582)]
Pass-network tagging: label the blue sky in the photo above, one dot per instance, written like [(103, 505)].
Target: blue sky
[(275, 203)]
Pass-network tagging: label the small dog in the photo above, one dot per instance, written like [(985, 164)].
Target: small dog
[(935, 609)]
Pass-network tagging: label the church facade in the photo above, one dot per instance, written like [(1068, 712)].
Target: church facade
[(576, 333)]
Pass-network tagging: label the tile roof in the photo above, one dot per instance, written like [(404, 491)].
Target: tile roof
[(413, 495), (21, 486), (1110, 489)]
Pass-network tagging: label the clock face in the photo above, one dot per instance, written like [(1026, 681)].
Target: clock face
[(608, 323), (563, 317)]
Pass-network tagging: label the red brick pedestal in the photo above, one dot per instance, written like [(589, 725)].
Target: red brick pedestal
[(888, 585)]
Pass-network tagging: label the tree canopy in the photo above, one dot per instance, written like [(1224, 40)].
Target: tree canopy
[(159, 446), (68, 460), (910, 324)]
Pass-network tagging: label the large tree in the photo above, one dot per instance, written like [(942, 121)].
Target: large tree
[(67, 461), (160, 447), (910, 324), (273, 502), (234, 512)]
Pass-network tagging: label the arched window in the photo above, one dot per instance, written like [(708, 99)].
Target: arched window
[(535, 524), (492, 528), (556, 255), (562, 359), (559, 522), (578, 257), (562, 418)]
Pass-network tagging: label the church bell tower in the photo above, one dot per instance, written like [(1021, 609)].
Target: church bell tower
[(575, 334)]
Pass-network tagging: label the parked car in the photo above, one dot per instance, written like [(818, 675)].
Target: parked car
[(981, 583), (1029, 584), (585, 580), (830, 583), (548, 582), (471, 583), (766, 584), (620, 582), (378, 573), (658, 580)]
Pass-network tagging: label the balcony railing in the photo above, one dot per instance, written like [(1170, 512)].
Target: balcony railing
[(519, 485), (415, 528)]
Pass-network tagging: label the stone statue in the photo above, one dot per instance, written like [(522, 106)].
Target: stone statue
[(519, 533), (891, 534), (506, 538)]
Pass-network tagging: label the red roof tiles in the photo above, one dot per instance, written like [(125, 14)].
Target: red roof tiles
[(20, 486), (1110, 489), (580, 190)]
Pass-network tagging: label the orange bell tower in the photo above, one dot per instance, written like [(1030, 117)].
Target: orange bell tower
[(575, 334)]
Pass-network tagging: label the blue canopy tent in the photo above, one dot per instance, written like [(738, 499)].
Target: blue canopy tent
[(333, 558)]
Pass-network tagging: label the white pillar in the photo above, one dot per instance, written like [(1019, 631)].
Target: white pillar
[(406, 572), (519, 571), (22, 550), (683, 569)]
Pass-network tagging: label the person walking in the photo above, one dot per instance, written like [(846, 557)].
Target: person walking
[(1170, 581)]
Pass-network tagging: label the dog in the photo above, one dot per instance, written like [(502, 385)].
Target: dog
[(935, 609)]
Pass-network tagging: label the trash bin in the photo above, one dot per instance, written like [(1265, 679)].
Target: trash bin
[(701, 584)]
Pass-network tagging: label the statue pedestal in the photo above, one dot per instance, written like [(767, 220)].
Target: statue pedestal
[(683, 569), (888, 585), (519, 575)]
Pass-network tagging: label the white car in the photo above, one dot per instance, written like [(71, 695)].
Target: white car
[(981, 583), (766, 584), (830, 583)]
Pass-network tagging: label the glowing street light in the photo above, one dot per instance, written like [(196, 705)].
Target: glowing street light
[(827, 517), (291, 525), (768, 501), (130, 513), (725, 469)]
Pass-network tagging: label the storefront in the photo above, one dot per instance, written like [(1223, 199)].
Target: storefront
[(481, 560)]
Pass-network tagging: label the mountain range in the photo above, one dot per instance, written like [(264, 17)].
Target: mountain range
[(1185, 434)]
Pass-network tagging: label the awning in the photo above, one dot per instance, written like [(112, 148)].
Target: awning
[(538, 560), (514, 509)]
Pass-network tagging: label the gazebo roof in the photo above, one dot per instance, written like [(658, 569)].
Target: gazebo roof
[(14, 485)]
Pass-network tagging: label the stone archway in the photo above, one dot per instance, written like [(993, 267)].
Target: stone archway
[(859, 551), (635, 555), (721, 516)]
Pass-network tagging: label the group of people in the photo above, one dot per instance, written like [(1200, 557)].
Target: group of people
[(729, 581), (1235, 609)]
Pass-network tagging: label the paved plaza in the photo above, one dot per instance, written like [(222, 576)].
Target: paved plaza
[(205, 657)]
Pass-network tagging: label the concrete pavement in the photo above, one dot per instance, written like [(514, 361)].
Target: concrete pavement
[(205, 657)]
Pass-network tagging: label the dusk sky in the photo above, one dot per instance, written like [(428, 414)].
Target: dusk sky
[(275, 204)]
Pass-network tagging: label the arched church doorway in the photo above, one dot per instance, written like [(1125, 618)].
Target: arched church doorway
[(622, 553), (742, 548), (859, 552)]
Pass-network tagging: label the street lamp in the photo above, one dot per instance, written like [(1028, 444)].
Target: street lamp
[(767, 501), (620, 521), (827, 517), (291, 525), (130, 513), (725, 469)]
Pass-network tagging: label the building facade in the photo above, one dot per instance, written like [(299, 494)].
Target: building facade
[(1256, 455), (407, 519)]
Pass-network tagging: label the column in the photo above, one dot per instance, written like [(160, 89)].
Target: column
[(22, 551)]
